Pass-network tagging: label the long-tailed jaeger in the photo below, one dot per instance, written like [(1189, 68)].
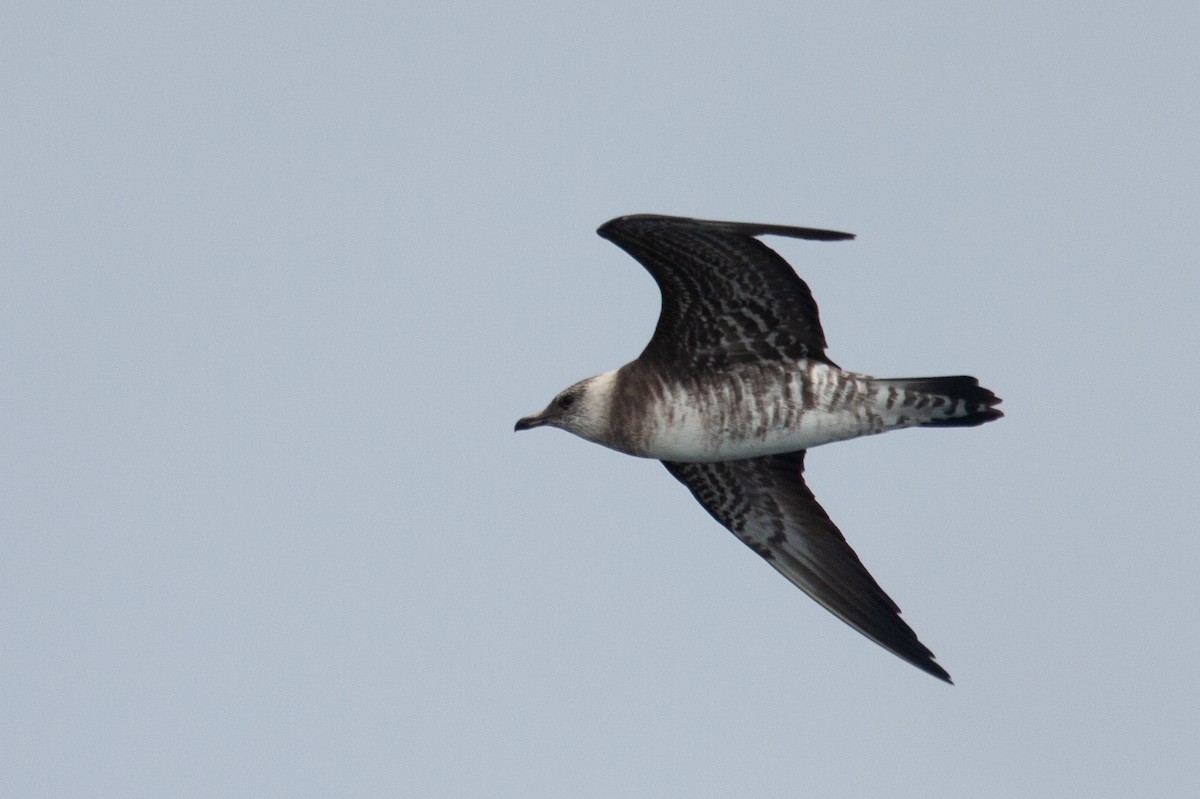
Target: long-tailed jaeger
[(735, 386)]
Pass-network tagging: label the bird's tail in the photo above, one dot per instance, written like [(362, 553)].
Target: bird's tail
[(957, 401)]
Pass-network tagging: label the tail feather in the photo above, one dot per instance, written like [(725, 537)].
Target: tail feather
[(957, 401)]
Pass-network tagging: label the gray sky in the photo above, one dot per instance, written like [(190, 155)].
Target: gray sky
[(279, 279)]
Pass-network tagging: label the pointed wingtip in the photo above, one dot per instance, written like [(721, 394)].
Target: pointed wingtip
[(916, 654), (937, 671), (611, 229)]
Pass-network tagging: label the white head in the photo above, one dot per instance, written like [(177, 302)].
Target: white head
[(582, 409)]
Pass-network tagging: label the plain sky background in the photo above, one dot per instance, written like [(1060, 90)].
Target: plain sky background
[(278, 279)]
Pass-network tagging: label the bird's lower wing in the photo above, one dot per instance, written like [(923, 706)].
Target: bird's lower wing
[(766, 504)]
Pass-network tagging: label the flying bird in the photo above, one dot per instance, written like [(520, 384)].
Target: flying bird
[(732, 390)]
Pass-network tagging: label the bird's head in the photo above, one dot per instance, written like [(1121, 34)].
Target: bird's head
[(581, 409)]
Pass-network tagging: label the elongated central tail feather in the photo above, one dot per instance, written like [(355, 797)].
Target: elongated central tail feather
[(957, 401)]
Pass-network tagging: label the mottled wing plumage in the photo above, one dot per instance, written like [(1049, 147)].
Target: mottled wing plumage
[(766, 504), (726, 297), (736, 372)]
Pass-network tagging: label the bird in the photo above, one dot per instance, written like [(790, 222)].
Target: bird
[(735, 387)]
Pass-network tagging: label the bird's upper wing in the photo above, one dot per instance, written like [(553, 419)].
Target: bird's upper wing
[(766, 504), (726, 297)]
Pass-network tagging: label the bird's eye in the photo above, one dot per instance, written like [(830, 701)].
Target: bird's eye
[(566, 402)]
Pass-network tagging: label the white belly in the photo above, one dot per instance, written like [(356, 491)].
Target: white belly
[(758, 411)]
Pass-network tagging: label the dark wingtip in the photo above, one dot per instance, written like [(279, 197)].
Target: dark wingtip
[(610, 229), (916, 654), (934, 669)]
